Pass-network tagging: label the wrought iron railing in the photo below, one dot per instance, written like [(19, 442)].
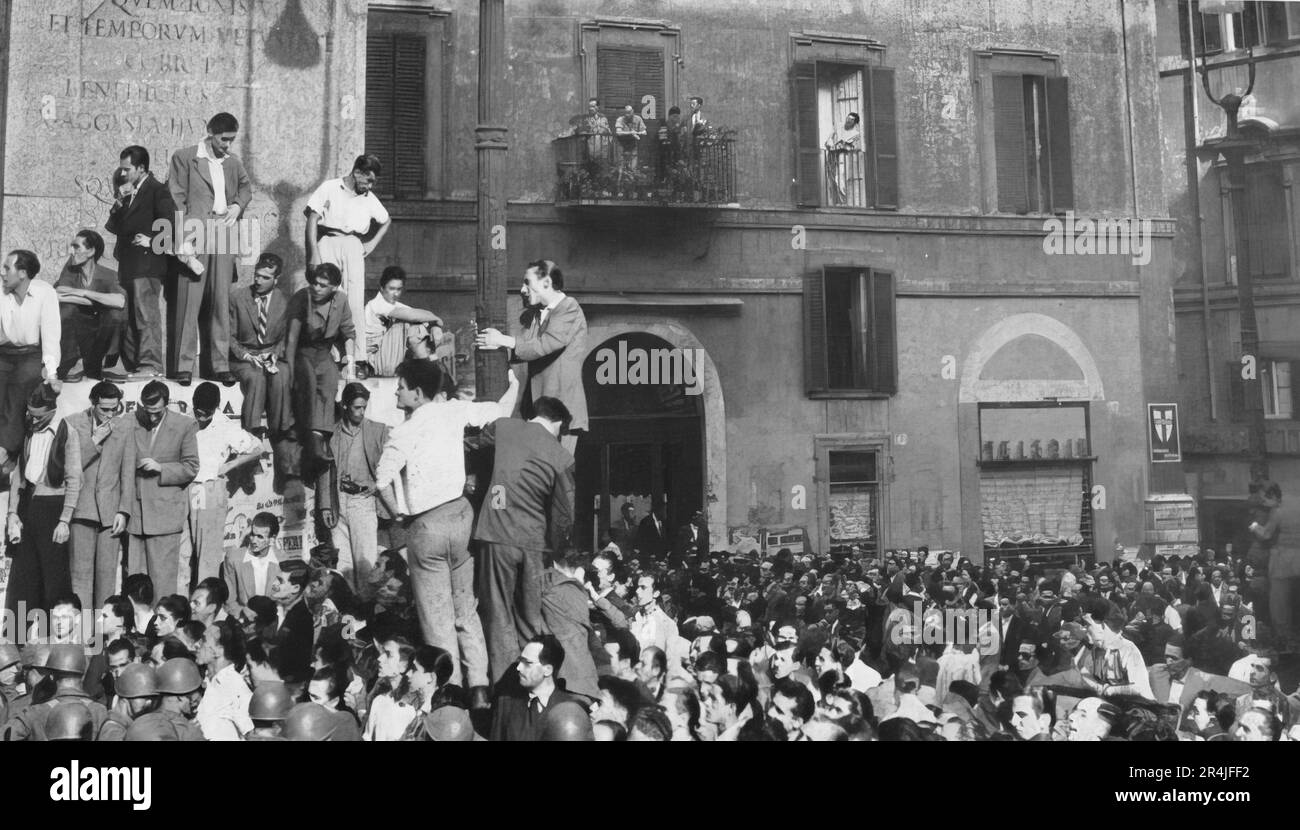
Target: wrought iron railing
[(697, 169), (845, 180)]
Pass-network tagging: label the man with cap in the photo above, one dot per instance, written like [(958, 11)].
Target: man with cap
[(313, 722), (69, 721), (223, 446), (10, 668), (1115, 665), (66, 663), (181, 685), (137, 695), (267, 709), (38, 686)]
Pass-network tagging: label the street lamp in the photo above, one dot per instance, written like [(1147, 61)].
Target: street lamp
[(1234, 147)]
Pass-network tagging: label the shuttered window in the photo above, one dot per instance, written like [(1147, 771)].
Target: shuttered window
[(1267, 222), (1031, 134), (849, 331), (625, 75), (396, 117), (813, 85)]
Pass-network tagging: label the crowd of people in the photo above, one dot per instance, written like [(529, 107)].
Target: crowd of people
[(446, 600)]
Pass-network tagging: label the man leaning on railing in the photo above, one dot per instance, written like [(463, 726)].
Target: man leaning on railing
[(838, 148)]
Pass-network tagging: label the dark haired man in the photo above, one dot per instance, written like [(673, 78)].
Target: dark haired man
[(528, 510), (389, 322), (208, 601), (319, 322), (210, 185), (554, 345), (141, 252), (520, 707), (424, 458), (356, 444), (223, 712), (250, 572), (258, 324), (29, 343), (96, 553), (43, 491), (160, 459), (223, 446), (91, 307), (340, 214), (293, 635)]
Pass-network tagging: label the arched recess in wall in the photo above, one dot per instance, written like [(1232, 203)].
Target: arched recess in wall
[(715, 417), (975, 389)]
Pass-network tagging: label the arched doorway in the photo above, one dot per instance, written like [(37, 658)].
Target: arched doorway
[(645, 440)]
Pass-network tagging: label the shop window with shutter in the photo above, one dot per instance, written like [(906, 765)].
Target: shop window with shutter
[(849, 491), (849, 325), (404, 101), (838, 163)]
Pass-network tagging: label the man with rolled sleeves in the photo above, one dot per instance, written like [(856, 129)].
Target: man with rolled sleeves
[(554, 345), (258, 324), (141, 253), (161, 456), (30, 332), (96, 553), (339, 214), (91, 309), (211, 186)]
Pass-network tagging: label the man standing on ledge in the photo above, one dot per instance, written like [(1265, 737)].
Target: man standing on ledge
[(210, 185), (30, 331), (339, 214), (141, 253), (554, 344)]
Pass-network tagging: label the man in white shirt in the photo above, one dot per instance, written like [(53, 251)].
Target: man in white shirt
[(1116, 665), (223, 446), (250, 572), (652, 627), (339, 214), (30, 331), (223, 712), (389, 322), (43, 491), (425, 458)]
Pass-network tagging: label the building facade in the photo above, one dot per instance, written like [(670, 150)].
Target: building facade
[(941, 325), (1219, 42)]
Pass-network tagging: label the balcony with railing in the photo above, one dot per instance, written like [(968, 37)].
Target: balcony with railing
[(685, 171)]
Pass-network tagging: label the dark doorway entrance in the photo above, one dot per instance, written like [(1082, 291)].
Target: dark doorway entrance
[(645, 446)]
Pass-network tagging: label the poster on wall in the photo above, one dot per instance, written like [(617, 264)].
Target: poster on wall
[(1162, 429)]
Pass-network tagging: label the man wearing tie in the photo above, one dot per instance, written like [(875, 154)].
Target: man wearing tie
[(210, 185), (651, 540), (141, 253), (520, 708), (554, 345), (257, 347), (162, 449)]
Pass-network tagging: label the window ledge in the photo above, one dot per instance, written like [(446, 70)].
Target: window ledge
[(849, 394)]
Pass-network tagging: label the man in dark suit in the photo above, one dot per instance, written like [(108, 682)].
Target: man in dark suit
[(651, 536), (91, 306), (692, 538), (522, 702), (141, 253), (293, 635), (531, 493), (96, 553), (1013, 631), (162, 453), (258, 325), (211, 186), (554, 345)]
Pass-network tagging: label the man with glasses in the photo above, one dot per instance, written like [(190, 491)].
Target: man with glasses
[(223, 447)]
